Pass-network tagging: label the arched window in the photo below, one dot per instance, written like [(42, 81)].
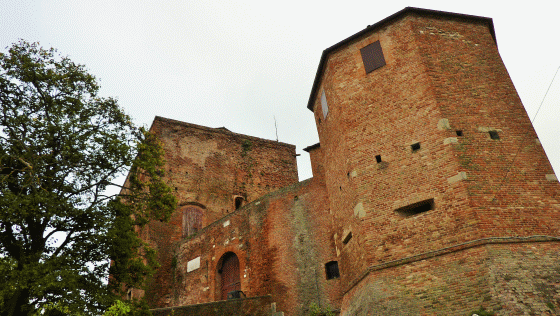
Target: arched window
[(192, 220), (228, 273), (238, 201)]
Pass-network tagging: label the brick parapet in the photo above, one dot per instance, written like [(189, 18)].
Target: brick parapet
[(253, 306)]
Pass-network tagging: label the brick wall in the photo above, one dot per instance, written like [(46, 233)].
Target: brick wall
[(255, 306), (443, 74), (490, 237), (208, 168), (506, 278), (282, 241)]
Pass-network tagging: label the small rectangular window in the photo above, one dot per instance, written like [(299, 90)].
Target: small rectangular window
[(324, 105), (494, 135), (331, 269), (372, 56), (378, 158), (415, 146)]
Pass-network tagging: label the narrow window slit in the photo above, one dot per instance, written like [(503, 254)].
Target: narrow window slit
[(494, 135), (415, 146), (416, 208), (378, 158), (347, 238), (238, 202)]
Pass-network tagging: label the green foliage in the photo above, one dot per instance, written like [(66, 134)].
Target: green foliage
[(61, 147), (246, 146), (482, 312), (316, 310), (128, 308), (118, 308)]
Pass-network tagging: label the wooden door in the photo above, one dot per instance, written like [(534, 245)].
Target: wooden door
[(230, 274)]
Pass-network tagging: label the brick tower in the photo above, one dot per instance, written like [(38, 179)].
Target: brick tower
[(442, 198)]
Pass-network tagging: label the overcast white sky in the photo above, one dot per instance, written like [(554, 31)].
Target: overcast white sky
[(239, 64)]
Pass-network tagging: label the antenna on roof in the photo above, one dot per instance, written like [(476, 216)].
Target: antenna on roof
[(275, 127)]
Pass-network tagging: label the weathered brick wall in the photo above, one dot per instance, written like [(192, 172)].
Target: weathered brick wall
[(255, 306), (211, 165), (507, 180), (442, 75), (525, 278), (208, 168), (453, 284), (282, 241), (505, 278), (490, 240)]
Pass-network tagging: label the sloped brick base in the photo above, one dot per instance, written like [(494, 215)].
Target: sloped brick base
[(253, 306)]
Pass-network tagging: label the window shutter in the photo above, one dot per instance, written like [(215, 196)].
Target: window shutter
[(372, 56), (324, 105)]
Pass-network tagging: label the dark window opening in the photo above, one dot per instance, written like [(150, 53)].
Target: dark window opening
[(331, 269), (372, 56), (238, 202), (347, 238), (378, 158), (494, 135), (416, 208), (459, 133), (415, 146), (129, 294)]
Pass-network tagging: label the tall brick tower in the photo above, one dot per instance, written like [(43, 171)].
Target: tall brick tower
[(442, 198)]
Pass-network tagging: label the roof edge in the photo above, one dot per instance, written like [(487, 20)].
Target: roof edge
[(312, 147), (385, 21), (221, 130)]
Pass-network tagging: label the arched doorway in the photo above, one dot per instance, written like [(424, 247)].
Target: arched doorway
[(229, 274)]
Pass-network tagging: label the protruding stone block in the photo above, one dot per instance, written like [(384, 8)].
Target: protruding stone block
[(450, 140), (443, 124), (459, 177), (359, 210)]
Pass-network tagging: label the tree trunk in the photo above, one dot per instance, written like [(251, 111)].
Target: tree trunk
[(17, 304)]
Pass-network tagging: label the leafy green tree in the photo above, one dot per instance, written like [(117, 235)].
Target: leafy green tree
[(61, 147)]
